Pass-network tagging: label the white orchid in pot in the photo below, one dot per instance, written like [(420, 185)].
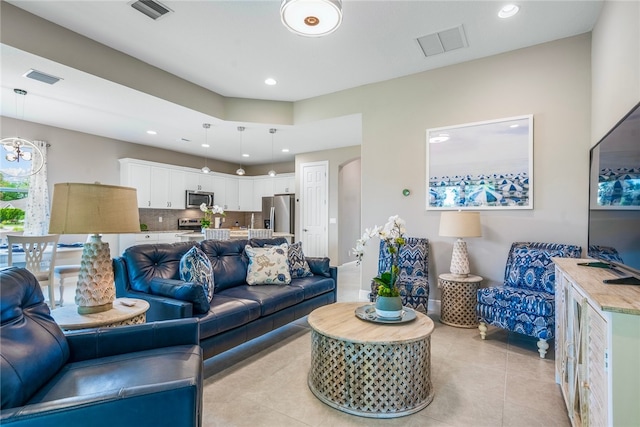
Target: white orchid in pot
[(388, 302), (209, 214)]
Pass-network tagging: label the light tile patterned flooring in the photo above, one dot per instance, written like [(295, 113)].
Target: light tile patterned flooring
[(497, 382)]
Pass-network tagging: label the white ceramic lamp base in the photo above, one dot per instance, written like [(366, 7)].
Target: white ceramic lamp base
[(95, 292), (460, 259)]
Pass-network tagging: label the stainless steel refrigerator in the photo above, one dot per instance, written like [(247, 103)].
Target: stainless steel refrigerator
[(279, 213)]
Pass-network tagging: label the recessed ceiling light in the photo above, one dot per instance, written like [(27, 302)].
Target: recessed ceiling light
[(285, 150), (206, 145), (152, 132), (514, 126), (245, 155), (270, 81), (508, 11), (441, 137)]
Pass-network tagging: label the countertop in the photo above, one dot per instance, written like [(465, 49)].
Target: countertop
[(614, 298)]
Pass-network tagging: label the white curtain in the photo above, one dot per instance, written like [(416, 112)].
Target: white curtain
[(36, 221)]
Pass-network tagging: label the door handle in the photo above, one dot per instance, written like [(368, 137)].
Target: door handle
[(305, 230)]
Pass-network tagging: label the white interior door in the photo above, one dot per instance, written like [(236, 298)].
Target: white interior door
[(315, 209)]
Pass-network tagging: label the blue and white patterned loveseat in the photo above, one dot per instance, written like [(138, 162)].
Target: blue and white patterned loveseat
[(526, 302)]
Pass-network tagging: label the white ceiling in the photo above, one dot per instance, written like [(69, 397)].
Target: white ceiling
[(231, 47)]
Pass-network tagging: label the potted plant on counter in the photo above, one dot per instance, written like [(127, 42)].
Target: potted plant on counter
[(210, 215)]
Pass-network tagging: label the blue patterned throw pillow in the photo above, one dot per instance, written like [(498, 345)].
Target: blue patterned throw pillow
[(195, 267), (298, 265), (268, 266)]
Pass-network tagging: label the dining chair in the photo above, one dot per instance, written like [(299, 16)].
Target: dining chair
[(260, 233), (34, 248), (217, 233)]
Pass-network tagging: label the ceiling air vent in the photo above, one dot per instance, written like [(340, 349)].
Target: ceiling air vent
[(152, 9), (443, 41), (41, 77)]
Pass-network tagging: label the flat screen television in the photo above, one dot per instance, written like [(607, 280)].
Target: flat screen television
[(614, 199)]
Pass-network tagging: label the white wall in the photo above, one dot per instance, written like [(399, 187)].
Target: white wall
[(615, 64), (552, 81), (349, 203)]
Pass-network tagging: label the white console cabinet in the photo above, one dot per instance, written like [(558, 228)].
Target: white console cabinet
[(597, 346)]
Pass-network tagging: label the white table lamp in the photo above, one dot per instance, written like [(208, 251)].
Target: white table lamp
[(460, 224), (94, 209)]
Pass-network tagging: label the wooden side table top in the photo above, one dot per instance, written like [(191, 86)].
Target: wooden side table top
[(339, 321), (69, 318), (471, 278)]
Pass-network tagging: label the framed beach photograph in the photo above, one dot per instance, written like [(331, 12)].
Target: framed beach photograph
[(481, 165)]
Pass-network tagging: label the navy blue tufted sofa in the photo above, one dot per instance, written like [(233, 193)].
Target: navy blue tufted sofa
[(238, 312), (140, 375)]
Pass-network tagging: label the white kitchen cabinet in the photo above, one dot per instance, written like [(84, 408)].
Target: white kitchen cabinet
[(245, 194), (284, 184), (139, 177), (198, 181), (156, 186), (597, 346), (231, 201), (177, 186), (219, 190), (262, 187), (161, 186)]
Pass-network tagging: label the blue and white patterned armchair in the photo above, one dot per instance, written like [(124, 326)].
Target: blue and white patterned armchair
[(413, 280), (526, 302), (604, 253)]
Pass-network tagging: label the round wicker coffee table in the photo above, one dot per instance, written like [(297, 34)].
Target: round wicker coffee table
[(370, 369)]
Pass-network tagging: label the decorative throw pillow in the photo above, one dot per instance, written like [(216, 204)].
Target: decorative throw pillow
[(268, 266), (298, 265), (195, 267)]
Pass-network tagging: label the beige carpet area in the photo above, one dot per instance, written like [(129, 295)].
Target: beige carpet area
[(497, 382)]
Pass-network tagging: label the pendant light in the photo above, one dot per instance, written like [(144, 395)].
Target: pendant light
[(23, 156), (272, 171), (206, 126), (311, 18), (240, 170)]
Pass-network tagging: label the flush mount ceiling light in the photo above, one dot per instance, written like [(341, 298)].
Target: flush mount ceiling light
[(206, 126), (23, 156), (270, 81), (508, 11), (240, 170), (311, 18), (272, 171)]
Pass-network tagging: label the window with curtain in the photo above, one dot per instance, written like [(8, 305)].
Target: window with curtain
[(24, 195)]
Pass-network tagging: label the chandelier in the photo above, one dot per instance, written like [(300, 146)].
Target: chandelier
[(23, 157)]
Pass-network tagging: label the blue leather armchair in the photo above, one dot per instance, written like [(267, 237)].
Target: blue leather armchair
[(141, 375), (413, 280), (526, 302)]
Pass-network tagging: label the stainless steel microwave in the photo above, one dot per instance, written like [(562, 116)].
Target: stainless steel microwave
[(196, 198)]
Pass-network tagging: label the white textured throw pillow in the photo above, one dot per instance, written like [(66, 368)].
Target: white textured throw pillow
[(268, 266)]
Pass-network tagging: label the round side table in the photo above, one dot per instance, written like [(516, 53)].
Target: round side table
[(458, 300), (125, 311)]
